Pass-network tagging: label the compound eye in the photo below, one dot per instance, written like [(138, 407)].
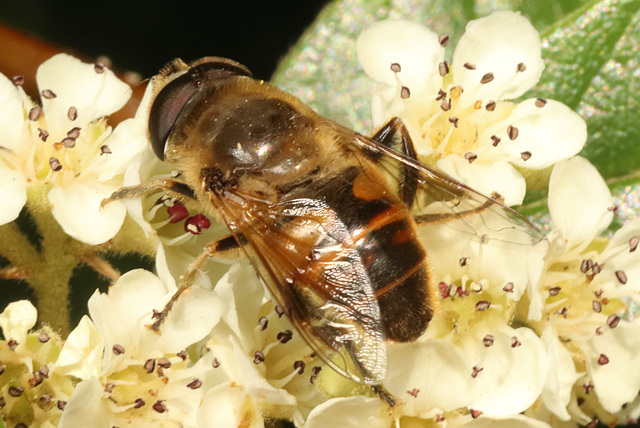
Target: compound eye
[(175, 95)]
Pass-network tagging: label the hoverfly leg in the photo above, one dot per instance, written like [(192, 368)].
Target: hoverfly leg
[(495, 198), (378, 388), (409, 176), (175, 188), (385, 396), (215, 248)]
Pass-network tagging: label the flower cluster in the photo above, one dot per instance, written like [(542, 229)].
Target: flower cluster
[(582, 307), (62, 156), (460, 115), (528, 331)]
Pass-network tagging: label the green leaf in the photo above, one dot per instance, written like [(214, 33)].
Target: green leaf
[(592, 66)]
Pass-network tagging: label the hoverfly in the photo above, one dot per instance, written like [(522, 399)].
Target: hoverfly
[(329, 218)]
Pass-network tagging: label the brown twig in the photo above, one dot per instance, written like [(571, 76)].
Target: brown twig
[(14, 273), (101, 266)]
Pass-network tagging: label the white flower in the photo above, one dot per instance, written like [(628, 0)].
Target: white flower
[(258, 349), (33, 392), (584, 296), (62, 155), (17, 319), (459, 115), (131, 374)]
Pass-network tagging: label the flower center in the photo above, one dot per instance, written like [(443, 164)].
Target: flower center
[(57, 158), (137, 388), (465, 303), (283, 353), (446, 125), (574, 292)]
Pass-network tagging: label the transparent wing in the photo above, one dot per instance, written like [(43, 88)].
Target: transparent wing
[(441, 200), (302, 252)]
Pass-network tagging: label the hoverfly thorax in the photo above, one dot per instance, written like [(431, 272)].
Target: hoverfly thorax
[(243, 138)]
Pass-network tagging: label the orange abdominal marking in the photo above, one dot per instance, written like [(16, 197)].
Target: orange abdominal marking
[(402, 236), (363, 188)]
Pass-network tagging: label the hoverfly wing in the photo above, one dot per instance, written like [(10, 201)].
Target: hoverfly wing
[(442, 200), (329, 299)]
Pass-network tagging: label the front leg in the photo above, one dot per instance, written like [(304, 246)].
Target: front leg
[(173, 187)]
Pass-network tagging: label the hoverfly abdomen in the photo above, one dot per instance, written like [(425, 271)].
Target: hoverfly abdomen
[(398, 271), (364, 224), (385, 238)]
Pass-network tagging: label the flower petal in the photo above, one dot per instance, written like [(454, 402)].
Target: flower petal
[(579, 215), (126, 143), (385, 103), (497, 44), (487, 178), (13, 193), (81, 354), (12, 123), (560, 377), (229, 406), (86, 408), (512, 377), (17, 319), (625, 261), (77, 84), (77, 208), (192, 317), (535, 137), (419, 367), (612, 364), (132, 177), (162, 269), (242, 303), (121, 315), (349, 412), (412, 46)]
